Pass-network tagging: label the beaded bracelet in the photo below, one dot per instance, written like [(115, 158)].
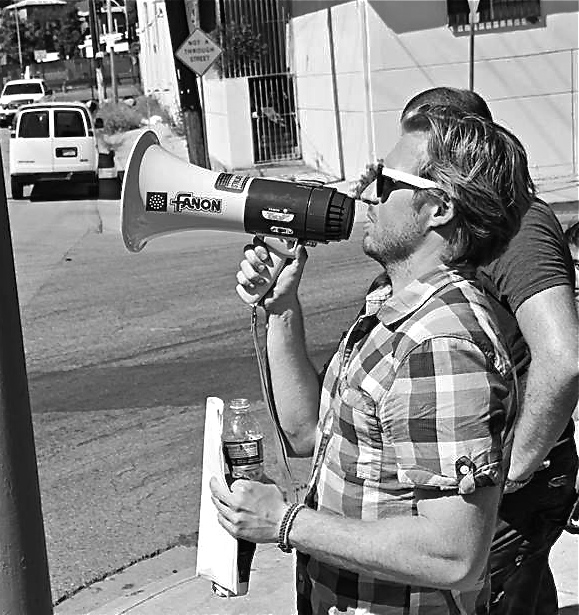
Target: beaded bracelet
[(286, 526)]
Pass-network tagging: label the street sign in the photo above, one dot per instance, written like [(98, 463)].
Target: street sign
[(198, 52), (473, 4)]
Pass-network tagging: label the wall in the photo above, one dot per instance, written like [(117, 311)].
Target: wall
[(385, 53), (156, 57), (228, 124)]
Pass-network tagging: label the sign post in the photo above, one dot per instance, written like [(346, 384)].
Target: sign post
[(198, 53), (180, 15), (473, 18)]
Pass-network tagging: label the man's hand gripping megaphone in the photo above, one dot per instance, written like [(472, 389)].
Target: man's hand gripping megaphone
[(270, 264)]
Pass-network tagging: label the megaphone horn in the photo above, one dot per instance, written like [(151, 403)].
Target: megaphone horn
[(163, 194)]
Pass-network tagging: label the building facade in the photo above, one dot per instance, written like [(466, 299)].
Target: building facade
[(351, 66), (356, 63)]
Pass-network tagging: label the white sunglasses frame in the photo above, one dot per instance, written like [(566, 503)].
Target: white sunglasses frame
[(408, 178)]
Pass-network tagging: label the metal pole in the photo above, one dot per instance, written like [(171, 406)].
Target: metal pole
[(24, 578), (18, 39), (574, 140), (367, 81), (472, 19), (335, 93), (471, 55), (112, 51), (180, 14), (203, 123)]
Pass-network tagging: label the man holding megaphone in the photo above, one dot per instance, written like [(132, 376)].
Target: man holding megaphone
[(410, 425)]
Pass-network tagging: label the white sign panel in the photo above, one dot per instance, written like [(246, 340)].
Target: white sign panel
[(198, 52)]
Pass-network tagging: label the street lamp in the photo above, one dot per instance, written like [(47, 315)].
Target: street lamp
[(473, 5)]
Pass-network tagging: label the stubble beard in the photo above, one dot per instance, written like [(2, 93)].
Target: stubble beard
[(391, 251)]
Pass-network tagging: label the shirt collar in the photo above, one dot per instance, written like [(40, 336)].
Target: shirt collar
[(391, 308)]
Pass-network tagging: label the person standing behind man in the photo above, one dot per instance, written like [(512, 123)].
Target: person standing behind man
[(410, 427), (572, 239), (531, 288)]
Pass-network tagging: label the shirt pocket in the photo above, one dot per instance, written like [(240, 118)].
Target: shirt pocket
[(358, 445)]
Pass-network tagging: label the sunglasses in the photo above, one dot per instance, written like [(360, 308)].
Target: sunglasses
[(389, 180)]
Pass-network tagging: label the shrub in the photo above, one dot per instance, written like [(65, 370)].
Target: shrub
[(123, 116)]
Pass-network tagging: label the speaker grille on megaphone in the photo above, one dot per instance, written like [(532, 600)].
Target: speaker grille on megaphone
[(163, 194)]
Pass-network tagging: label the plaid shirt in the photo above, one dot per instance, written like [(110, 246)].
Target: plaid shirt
[(420, 394)]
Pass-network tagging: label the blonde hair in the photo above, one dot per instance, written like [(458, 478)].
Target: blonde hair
[(482, 168)]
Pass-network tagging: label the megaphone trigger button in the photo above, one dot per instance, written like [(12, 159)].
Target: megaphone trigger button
[(278, 216)]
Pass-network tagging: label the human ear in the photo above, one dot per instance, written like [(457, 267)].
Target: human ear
[(441, 211)]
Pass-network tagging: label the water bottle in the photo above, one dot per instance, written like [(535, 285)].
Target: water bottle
[(242, 439)]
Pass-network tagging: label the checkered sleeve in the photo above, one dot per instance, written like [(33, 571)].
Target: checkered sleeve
[(446, 413)]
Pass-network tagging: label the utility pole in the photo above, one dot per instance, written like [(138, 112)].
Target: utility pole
[(112, 51), (97, 54), (182, 16), (24, 578), (472, 18)]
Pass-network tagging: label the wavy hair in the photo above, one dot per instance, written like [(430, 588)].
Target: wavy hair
[(482, 169)]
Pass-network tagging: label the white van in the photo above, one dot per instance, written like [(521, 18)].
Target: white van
[(54, 141)]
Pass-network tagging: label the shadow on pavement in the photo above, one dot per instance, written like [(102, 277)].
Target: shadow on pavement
[(110, 189), (571, 609), (59, 191)]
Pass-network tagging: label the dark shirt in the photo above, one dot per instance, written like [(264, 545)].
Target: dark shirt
[(536, 259)]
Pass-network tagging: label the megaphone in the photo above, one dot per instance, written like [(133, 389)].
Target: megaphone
[(163, 194)]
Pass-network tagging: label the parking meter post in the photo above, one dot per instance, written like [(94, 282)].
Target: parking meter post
[(24, 577)]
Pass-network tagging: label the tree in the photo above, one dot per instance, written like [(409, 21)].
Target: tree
[(9, 32), (71, 35), (47, 28)]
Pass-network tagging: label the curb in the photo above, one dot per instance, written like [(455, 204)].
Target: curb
[(181, 592)]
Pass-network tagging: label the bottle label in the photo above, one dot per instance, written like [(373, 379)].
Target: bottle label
[(244, 453)]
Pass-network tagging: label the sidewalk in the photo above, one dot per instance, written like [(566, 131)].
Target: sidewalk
[(167, 585)]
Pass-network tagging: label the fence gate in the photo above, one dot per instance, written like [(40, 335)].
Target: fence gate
[(252, 34)]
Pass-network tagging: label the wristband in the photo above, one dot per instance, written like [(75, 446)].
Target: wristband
[(286, 525), (514, 485)]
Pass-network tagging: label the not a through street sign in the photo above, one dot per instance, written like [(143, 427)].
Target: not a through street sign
[(198, 52)]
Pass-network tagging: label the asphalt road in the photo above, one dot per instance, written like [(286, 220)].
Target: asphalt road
[(122, 351)]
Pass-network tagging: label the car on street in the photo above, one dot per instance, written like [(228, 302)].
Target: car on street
[(54, 141), (18, 92)]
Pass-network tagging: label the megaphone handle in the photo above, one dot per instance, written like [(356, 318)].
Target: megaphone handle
[(279, 251)]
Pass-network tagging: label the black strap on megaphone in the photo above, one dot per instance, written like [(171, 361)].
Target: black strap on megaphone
[(290, 486)]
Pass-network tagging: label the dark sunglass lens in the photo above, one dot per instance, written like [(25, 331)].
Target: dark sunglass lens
[(379, 180), (388, 185)]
